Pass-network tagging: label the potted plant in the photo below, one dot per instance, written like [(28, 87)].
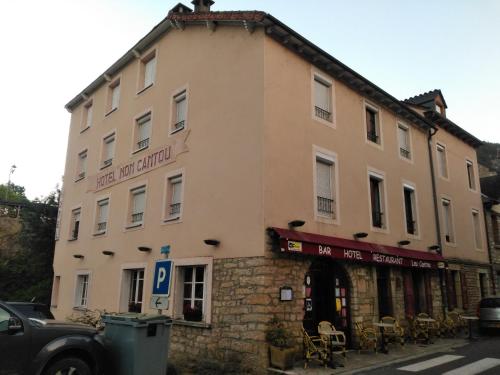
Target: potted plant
[(281, 348), (192, 313)]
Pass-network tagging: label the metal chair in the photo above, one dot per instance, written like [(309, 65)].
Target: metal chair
[(315, 348), (368, 338)]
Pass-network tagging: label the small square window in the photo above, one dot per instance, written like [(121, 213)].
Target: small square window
[(180, 111), (143, 132)]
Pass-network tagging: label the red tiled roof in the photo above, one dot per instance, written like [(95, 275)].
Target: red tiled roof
[(253, 16)]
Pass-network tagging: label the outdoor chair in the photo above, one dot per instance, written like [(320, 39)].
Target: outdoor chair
[(336, 339), (367, 338), (395, 334), (447, 327), (418, 330), (433, 327), (315, 348), (457, 320)]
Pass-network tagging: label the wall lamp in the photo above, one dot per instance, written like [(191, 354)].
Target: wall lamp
[(78, 256), (403, 242), (144, 249), (212, 242), (296, 223), (360, 235), (108, 252)]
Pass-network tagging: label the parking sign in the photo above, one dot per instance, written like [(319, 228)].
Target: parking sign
[(162, 278)]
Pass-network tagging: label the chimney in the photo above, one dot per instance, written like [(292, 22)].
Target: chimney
[(202, 5)]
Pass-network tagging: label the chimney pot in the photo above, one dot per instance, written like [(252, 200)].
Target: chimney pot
[(202, 5)]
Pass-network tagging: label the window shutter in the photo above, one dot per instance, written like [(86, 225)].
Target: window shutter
[(409, 295), (144, 128), (110, 148), (403, 138), (89, 115), (465, 297), (176, 191), (103, 212), (181, 109), (115, 97), (139, 203), (149, 72), (322, 95), (324, 179)]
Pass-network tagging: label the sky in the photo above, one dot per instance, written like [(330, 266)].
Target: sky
[(52, 49)]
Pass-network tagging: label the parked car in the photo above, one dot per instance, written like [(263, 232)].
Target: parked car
[(30, 346), (489, 313), (32, 309)]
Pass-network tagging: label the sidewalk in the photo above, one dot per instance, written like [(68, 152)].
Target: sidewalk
[(366, 360)]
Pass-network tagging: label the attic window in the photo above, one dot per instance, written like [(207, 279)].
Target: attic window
[(439, 109)]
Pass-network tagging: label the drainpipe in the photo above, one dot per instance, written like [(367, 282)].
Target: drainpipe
[(442, 284), (492, 267)]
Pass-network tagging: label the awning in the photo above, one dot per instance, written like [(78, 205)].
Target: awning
[(359, 251)]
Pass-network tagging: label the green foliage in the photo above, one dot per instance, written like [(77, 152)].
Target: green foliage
[(487, 155), (27, 275), (277, 335), (12, 192)]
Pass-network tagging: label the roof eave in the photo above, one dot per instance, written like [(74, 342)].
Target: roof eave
[(453, 129)]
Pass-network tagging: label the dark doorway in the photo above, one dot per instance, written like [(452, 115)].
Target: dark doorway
[(384, 292), (327, 296)]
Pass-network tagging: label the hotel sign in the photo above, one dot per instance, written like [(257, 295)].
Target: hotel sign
[(355, 255), (142, 163)]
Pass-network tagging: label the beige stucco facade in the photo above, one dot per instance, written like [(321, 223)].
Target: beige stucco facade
[(247, 156)]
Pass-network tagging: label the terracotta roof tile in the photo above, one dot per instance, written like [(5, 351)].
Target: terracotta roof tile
[(254, 16), (422, 98)]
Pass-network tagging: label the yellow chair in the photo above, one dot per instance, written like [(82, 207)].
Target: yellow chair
[(457, 320), (315, 348), (418, 330), (367, 338), (336, 339), (433, 327), (395, 334)]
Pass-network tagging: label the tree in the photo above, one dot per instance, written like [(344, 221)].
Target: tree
[(12, 192)]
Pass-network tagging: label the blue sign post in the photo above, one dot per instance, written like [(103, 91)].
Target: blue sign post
[(161, 284)]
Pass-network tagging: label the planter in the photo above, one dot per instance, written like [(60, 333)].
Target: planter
[(282, 358)]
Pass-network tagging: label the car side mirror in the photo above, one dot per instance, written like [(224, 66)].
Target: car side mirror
[(15, 325)]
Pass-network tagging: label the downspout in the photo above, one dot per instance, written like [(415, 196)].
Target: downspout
[(490, 257), (442, 284)]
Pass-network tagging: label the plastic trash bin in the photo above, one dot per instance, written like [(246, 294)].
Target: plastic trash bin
[(138, 343)]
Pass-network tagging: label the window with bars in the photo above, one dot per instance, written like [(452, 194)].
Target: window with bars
[(470, 175), (82, 165), (136, 290), (102, 216), (322, 99), (82, 288), (410, 210), (180, 111), (449, 234), (377, 201), (174, 191), (143, 132), (477, 229), (325, 203), (108, 151), (137, 206), (75, 224), (193, 297), (442, 162), (372, 125), (404, 141)]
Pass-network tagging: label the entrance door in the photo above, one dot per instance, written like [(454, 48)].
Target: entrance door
[(327, 296)]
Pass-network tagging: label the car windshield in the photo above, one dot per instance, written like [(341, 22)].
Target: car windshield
[(490, 303)]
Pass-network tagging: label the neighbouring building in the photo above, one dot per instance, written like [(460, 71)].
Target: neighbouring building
[(490, 186), (267, 166)]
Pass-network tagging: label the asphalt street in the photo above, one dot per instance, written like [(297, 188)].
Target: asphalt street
[(478, 357)]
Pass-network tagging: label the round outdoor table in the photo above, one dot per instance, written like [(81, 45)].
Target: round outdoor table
[(426, 320), (382, 327), (470, 319)]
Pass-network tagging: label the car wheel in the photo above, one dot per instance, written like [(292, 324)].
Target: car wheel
[(69, 366)]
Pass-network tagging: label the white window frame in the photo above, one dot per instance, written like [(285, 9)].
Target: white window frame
[(478, 233), (378, 125), (97, 213), (136, 187), (329, 157), (167, 196), (82, 165), (78, 290), (88, 109), (74, 211), (471, 180), (177, 306), (184, 92), (327, 81), (452, 219), (124, 286), (147, 58), (105, 163), (380, 175), (114, 85), (415, 210), (402, 125), (440, 145), (137, 124)]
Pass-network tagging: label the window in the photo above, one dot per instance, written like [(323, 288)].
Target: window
[(410, 210), (193, 281), (136, 290), (325, 204), (138, 203), (113, 96), (377, 201), (449, 235), (438, 109), (143, 132), (4, 320), (102, 216), (75, 224), (108, 151), (55, 291), (483, 287), (322, 99), (180, 111), (82, 288), (404, 141), (441, 159), (148, 69), (477, 229), (87, 115), (470, 175), (82, 165), (174, 197), (372, 124)]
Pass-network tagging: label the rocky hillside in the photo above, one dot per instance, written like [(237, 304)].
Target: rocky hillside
[(489, 156)]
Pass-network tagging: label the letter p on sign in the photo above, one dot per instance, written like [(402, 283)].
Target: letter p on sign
[(162, 278)]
